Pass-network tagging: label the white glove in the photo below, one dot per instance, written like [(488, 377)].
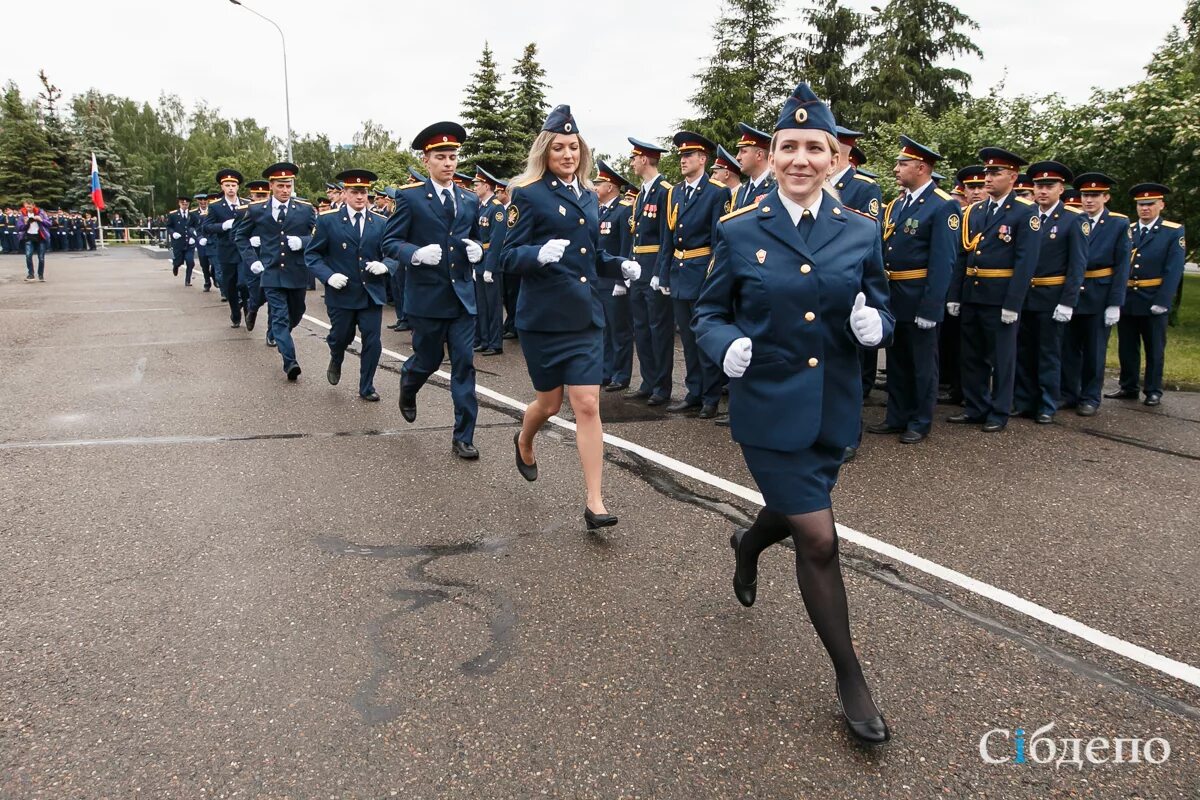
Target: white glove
[(204, 241), (666, 290), (953, 309), (227, 224), (430, 255), (294, 243), (487, 276), (256, 267), (619, 290), (474, 251), (1112, 315), (1063, 313), (337, 280), (1008, 317), (376, 268), (552, 251), (1158, 310), (924, 324), (191, 241), (255, 241), (631, 270), (176, 236), (654, 283), (737, 357), (866, 322)]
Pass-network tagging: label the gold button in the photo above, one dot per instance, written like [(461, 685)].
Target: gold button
[(805, 268), (583, 250), (809, 317), (812, 362), (581, 220), (583, 279)]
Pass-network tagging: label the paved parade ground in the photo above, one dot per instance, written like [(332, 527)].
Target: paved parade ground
[(216, 583)]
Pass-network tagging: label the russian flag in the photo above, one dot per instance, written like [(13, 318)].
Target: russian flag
[(97, 195)]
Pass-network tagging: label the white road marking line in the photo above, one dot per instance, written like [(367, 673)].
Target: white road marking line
[(1113, 644)]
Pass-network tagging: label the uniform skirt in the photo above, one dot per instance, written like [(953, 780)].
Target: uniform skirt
[(795, 482), (555, 358)]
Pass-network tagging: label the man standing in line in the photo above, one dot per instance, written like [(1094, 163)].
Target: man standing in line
[(614, 212), (489, 283), (753, 155)]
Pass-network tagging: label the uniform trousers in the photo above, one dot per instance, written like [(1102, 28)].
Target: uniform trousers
[(703, 378), (1038, 386), (431, 336), (618, 337), (1085, 345), (988, 358), (343, 322), (1135, 331), (912, 377), (653, 337), (285, 308)]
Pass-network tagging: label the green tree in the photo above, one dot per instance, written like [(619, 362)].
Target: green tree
[(527, 102), (27, 165), (122, 188), (743, 81), (823, 57), (900, 68), (484, 113)]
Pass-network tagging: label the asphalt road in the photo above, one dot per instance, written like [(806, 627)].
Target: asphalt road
[(214, 583)]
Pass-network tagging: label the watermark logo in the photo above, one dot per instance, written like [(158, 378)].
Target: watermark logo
[(1014, 746)]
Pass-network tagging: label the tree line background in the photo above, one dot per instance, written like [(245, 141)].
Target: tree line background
[(883, 72)]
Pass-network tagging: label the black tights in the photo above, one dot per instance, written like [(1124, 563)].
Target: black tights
[(819, 573)]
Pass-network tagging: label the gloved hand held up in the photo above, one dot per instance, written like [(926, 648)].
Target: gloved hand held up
[(737, 357), (866, 322)]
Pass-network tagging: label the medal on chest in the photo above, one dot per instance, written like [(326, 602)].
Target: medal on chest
[(605, 228), (910, 225), (1004, 233)]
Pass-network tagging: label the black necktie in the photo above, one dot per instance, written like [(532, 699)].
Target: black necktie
[(1044, 217), (805, 225), (687, 196), (448, 206), (907, 204), (282, 215), (358, 222)]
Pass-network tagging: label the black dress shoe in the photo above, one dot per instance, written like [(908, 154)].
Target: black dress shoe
[(964, 419), (1070, 404), (293, 372), (1044, 419), (636, 395), (1152, 399), (237, 324), (251, 317), (393, 326), (491, 351), (616, 387), (849, 454), (950, 399), (722, 421), (208, 288), (869, 731), (408, 405), (708, 412), (528, 471), (883, 427), (1085, 410), (679, 406), (175, 271), (993, 427), (911, 437), (187, 283), (403, 326), (1121, 394), (509, 335), (595, 521), (464, 450), (745, 591), (333, 373), (370, 397), (478, 348), (656, 400)]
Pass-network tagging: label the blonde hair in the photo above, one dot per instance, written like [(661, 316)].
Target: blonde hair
[(539, 160)]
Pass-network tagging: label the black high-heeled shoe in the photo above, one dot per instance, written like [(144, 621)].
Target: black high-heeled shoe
[(745, 592), (528, 471), (595, 521), (871, 731)]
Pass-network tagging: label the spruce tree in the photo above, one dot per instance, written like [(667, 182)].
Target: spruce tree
[(744, 81), (823, 58), (527, 103), (93, 134), (488, 136), (27, 166)]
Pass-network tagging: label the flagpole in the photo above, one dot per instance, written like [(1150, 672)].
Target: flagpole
[(94, 185)]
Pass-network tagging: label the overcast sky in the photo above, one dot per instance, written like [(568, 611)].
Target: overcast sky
[(215, 51)]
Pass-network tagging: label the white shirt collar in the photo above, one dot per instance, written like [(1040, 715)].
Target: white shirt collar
[(795, 210), (275, 204), (998, 203), (647, 184), (916, 194), (754, 183), (1150, 224), (574, 184), (440, 188), (836, 179), (695, 183), (1048, 212)]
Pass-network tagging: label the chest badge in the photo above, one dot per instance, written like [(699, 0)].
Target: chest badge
[(1054, 232), (761, 255), (344, 245), (910, 225), (1005, 233), (562, 211)]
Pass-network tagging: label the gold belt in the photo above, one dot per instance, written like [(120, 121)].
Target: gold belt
[(1052, 280), (906, 274), (695, 253), (976, 272), (1137, 284), (642, 249), (1099, 273)]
